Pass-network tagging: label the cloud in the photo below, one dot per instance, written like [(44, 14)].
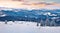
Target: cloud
[(29, 5)]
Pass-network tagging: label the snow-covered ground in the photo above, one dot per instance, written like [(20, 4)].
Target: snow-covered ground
[(26, 27)]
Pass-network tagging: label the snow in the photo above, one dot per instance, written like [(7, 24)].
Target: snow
[(26, 27)]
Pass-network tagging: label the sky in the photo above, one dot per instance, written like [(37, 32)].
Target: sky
[(56, 1), (30, 4)]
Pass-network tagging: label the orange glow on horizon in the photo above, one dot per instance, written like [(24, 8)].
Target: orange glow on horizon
[(14, 4)]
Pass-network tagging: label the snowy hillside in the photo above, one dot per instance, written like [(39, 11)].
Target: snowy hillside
[(29, 21), (26, 27)]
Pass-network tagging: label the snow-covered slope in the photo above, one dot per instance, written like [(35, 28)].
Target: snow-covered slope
[(28, 27)]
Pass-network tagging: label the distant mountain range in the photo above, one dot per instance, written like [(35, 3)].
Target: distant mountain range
[(35, 15)]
